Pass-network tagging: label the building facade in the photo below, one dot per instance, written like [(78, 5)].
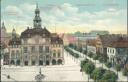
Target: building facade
[(91, 46), (36, 46), (117, 52)]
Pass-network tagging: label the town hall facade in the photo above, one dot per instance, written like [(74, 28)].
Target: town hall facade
[(36, 46)]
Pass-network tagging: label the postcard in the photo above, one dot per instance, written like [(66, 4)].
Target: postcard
[(64, 41)]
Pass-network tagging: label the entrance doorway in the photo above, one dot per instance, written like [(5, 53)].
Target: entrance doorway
[(53, 62), (47, 62), (40, 62), (26, 63)]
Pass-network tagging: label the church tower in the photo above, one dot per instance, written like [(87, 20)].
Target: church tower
[(13, 33), (3, 27), (37, 19)]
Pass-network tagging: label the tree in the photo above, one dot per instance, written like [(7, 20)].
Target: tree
[(89, 67), (85, 52), (83, 62), (71, 45), (101, 59), (125, 72), (98, 73), (95, 57), (108, 64), (76, 55), (90, 54), (118, 68), (109, 76), (80, 49)]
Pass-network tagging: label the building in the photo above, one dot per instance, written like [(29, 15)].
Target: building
[(4, 37), (91, 46), (15, 54), (69, 39), (117, 51), (36, 46), (96, 32), (103, 41)]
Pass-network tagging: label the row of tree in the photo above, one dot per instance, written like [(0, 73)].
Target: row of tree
[(76, 55), (97, 74), (101, 58), (107, 63)]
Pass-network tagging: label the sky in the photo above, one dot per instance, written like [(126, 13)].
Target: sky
[(66, 16)]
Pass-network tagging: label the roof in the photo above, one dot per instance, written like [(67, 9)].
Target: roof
[(28, 33), (56, 40), (114, 40), (35, 31), (119, 44), (91, 42), (107, 39), (15, 41)]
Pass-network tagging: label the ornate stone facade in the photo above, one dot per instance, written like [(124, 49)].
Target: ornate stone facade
[(36, 46)]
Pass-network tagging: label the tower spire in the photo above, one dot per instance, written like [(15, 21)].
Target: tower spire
[(37, 19), (13, 33), (36, 5), (3, 26)]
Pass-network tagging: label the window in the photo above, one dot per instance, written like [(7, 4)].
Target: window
[(47, 49), (40, 49), (47, 56), (58, 54), (113, 51), (33, 49), (13, 54), (54, 54), (108, 50), (17, 53), (25, 49), (33, 62)]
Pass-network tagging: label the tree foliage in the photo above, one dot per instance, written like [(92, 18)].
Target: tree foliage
[(108, 64), (109, 76), (118, 67), (98, 73), (125, 72), (89, 67)]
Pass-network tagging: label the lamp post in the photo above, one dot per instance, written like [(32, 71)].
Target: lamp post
[(40, 76)]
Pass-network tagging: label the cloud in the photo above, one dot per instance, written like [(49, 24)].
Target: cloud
[(13, 10), (28, 7), (67, 16)]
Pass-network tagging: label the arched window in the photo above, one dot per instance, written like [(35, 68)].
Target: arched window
[(53, 62), (59, 61), (58, 53), (54, 54)]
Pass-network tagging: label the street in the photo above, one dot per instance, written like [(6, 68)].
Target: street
[(70, 71)]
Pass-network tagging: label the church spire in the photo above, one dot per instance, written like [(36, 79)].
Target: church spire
[(3, 26), (37, 19), (13, 33)]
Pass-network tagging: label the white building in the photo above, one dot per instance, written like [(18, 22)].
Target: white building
[(118, 51)]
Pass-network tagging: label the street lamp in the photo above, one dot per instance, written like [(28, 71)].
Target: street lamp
[(39, 77)]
